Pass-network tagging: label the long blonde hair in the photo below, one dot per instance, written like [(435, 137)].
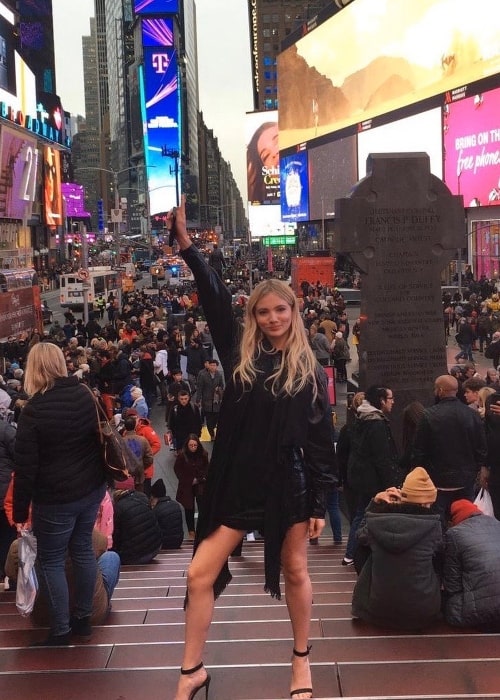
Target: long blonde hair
[(44, 364), (298, 363)]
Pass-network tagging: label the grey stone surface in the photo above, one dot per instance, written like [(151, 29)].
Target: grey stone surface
[(401, 226)]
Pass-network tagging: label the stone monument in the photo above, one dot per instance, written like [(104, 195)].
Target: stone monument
[(400, 226)]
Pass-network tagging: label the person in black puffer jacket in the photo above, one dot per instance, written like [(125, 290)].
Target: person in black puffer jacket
[(169, 515), (137, 537), (59, 470)]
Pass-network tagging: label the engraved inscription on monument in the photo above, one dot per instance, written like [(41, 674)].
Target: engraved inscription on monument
[(401, 227)]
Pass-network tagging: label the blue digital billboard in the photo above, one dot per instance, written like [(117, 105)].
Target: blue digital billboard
[(294, 187), (161, 114), (156, 7)]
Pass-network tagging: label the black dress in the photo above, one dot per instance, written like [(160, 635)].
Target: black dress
[(272, 463)]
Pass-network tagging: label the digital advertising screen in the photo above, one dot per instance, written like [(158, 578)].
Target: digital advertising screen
[(371, 58), (332, 173), (18, 158), (52, 187), (418, 133), (265, 221), (263, 162), (294, 187), (7, 54), (161, 113), (471, 134), (74, 200), (156, 7)]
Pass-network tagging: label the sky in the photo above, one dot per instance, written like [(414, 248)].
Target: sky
[(223, 65)]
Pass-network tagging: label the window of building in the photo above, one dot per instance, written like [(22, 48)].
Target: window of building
[(266, 33), (275, 32), (276, 19), (267, 46), (268, 61), (266, 19)]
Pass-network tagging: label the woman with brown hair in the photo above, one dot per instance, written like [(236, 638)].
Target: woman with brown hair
[(272, 462), (191, 467)]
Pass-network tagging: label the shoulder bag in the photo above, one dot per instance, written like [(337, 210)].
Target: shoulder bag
[(119, 461)]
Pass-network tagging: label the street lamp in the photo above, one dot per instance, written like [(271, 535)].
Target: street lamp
[(175, 155)]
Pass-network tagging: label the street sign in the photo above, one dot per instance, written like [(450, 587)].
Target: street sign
[(83, 274)]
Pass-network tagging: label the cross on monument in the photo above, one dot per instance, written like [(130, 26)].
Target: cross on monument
[(401, 226)]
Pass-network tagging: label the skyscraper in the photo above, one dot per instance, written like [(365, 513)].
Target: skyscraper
[(270, 22)]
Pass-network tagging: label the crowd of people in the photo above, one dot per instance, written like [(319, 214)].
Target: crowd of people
[(253, 387)]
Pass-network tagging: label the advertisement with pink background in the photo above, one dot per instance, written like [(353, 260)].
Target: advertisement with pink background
[(472, 148)]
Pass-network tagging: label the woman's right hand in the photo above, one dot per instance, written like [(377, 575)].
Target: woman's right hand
[(176, 223)]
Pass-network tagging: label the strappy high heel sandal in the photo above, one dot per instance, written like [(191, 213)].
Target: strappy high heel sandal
[(301, 654), (205, 684)]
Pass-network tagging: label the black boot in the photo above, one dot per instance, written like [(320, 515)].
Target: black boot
[(54, 640)]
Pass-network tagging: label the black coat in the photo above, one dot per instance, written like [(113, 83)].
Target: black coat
[(137, 536), (168, 513), (450, 443), (58, 453), (373, 462), (299, 426)]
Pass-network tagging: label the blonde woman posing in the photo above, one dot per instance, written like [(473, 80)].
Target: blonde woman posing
[(272, 464)]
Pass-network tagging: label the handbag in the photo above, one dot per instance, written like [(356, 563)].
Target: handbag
[(119, 461), (27, 582), (483, 502)]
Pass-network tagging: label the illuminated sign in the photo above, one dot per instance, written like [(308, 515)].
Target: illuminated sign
[(263, 169), (372, 58), (18, 158), (252, 9), (161, 111), (52, 187), (74, 199), (39, 125), (294, 187), (156, 7), (279, 240), (472, 148)]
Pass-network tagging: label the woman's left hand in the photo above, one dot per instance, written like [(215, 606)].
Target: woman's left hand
[(316, 526)]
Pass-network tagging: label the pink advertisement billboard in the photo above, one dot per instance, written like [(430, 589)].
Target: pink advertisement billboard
[(472, 148)]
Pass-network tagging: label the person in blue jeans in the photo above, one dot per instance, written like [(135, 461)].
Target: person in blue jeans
[(333, 509), (59, 470)]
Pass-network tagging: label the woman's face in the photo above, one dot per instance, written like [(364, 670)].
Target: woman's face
[(192, 445), (274, 317), (267, 147)]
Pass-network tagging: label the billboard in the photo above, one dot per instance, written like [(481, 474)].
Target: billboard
[(156, 7), (294, 187), (332, 173), (471, 134), (263, 168), (418, 133), (74, 201), (18, 169), (161, 113), (266, 221), (371, 58), (52, 187)]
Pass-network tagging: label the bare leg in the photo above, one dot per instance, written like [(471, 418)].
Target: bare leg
[(203, 570), (298, 593)]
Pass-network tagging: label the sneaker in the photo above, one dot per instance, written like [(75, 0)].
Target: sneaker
[(347, 561), (313, 540), (250, 537)]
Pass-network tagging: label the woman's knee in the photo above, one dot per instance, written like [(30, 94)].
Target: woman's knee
[(198, 579)]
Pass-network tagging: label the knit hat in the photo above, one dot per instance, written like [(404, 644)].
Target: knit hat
[(461, 510), (158, 489), (418, 487)]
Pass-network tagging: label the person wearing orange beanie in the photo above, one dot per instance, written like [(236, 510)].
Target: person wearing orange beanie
[(399, 585), (471, 572)]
